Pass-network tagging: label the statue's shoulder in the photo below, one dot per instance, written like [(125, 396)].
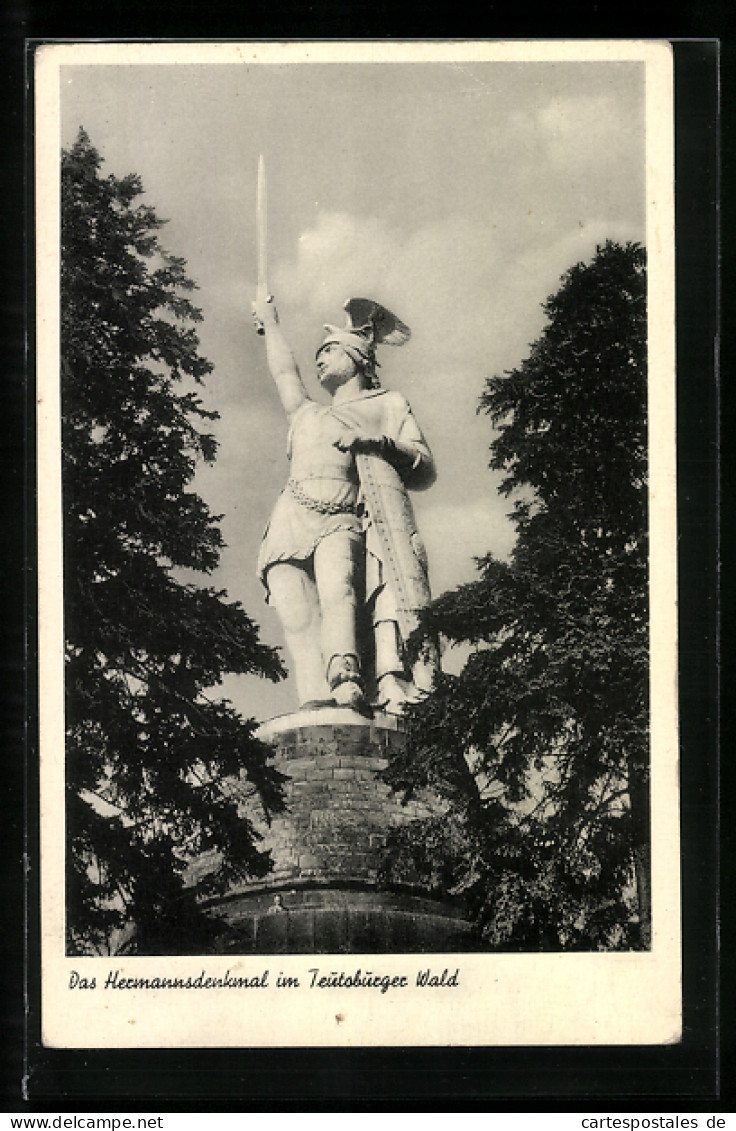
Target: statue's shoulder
[(306, 406), (397, 406), (394, 399)]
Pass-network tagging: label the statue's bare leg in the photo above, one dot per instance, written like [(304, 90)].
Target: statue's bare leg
[(293, 594), (338, 562)]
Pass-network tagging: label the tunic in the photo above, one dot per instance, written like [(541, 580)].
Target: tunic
[(321, 472)]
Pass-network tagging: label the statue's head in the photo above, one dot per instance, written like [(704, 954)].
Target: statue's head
[(368, 323), (343, 354)]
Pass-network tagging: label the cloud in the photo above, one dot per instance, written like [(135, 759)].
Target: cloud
[(471, 290), (439, 278), (584, 130)]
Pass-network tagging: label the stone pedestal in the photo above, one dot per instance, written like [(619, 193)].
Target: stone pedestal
[(324, 894)]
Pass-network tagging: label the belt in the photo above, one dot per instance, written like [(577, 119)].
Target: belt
[(317, 504)]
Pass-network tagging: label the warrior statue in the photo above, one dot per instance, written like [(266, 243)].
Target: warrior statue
[(341, 559)]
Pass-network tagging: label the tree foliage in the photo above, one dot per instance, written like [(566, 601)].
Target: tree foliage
[(540, 745), (149, 749)]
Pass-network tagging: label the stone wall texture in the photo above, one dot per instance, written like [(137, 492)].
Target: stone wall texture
[(324, 893)]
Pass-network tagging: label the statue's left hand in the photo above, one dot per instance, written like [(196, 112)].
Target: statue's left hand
[(358, 442)]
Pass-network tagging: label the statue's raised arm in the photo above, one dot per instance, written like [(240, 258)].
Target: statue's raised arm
[(281, 363)]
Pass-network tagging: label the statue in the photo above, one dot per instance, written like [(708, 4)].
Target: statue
[(341, 559)]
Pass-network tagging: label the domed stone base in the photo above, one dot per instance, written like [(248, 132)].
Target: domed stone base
[(341, 921), (324, 895)]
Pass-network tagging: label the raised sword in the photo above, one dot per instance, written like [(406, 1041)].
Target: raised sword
[(261, 236)]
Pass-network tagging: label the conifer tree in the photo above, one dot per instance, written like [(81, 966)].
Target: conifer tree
[(541, 744), (149, 746)]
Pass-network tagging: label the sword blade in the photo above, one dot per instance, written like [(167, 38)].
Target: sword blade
[(261, 232)]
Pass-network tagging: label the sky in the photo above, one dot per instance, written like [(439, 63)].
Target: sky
[(456, 194)]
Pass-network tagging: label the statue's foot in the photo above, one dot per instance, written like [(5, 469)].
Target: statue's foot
[(394, 693), (350, 694), (343, 677)]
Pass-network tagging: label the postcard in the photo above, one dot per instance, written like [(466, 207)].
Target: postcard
[(357, 544)]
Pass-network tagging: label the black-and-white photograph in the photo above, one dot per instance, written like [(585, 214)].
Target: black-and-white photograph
[(361, 663)]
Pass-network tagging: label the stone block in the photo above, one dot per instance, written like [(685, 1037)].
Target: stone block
[(351, 737), (286, 751), (271, 933), (331, 930), (322, 819), (353, 761), (300, 767), (368, 930), (340, 774), (323, 771), (355, 864), (300, 931), (367, 773), (313, 785)]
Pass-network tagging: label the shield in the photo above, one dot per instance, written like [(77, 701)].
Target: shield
[(402, 553)]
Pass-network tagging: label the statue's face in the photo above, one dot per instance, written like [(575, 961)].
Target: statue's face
[(334, 366)]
